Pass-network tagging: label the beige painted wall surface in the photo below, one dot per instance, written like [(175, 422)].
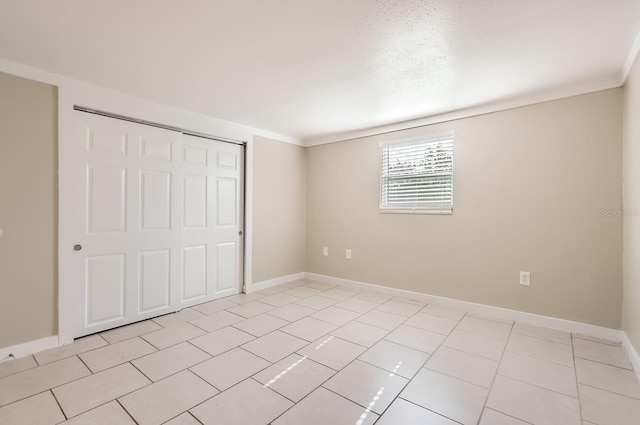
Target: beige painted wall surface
[(529, 188), (28, 210), (279, 179), (631, 202)]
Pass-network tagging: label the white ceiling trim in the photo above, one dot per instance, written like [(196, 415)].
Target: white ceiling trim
[(517, 102), (90, 91), (633, 53)]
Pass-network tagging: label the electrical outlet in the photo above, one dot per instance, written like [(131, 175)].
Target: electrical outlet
[(525, 278), (325, 251), (348, 254)]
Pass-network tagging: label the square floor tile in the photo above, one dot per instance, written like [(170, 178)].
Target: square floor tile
[(444, 311), (465, 366), (398, 359), (40, 409), (250, 309), (84, 394), (275, 346), (432, 323), (107, 414), (357, 305), (181, 316), (480, 345), (360, 333), (308, 328), (245, 298), (78, 346), (606, 377), (491, 417), (399, 308), (159, 365), (339, 294), (317, 302), (367, 385), (381, 319), (248, 403), (230, 368), (118, 353), (542, 333), (418, 339), (401, 412), (130, 331), (549, 375), (172, 335), (336, 316), (294, 377), (33, 381), (163, 400), (292, 312), (278, 300), (261, 324), (603, 353), (225, 339), (217, 320), (485, 327), (214, 306), (333, 352), (374, 297), (10, 367), (322, 407), (302, 292), (533, 404), (604, 407), (541, 349), (450, 397)]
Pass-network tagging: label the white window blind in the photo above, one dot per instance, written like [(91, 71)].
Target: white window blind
[(417, 176)]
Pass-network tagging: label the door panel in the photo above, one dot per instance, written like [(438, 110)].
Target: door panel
[(155, 278), (105, 288), (156, 222), (106, 200), (194, 272), (155, 200)]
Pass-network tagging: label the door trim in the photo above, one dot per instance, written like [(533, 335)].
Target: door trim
[(67, 123)]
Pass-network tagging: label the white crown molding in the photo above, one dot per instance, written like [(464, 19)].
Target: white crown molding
[(576, 89), (631, 58), (89, 92)]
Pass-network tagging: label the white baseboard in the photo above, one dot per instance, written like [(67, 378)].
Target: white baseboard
[(258, 286), (483, 309), (28, 348), (631, 353)]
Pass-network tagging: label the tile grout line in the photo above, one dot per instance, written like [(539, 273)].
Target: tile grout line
[(495, 375)]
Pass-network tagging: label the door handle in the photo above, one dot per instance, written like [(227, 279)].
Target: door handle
[(77, 247)]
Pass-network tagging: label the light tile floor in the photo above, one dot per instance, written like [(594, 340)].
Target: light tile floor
[(313, 353)]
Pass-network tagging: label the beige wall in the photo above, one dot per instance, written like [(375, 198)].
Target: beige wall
[(279, 195), (529, 187), (631, 203), (28, 210)]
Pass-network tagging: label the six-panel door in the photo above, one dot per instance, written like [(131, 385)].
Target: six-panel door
[(161, 216)]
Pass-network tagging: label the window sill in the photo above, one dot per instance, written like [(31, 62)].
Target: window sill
[(448, 211)]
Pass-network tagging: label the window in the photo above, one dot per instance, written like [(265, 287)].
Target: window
[(417, 176)]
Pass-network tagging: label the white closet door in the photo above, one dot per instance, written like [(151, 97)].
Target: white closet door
[(211, 219), (156, 222)]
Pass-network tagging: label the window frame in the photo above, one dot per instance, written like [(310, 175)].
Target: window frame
[(445, 208)]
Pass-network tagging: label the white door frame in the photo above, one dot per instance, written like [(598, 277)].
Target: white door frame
[(67, 216)]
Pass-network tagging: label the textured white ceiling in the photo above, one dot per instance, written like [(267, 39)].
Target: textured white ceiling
[(313, 68)]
